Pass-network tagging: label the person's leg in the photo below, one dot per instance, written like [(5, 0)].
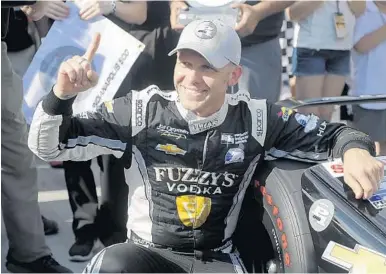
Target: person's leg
[(114, 202), (132, 258), (309, 69), (84, 205), (22, 59), (262, 70), (19, 194), (219, 263), (338, 67)]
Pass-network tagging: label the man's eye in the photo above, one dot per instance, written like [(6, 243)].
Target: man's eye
[(185, 64), (208, 68)]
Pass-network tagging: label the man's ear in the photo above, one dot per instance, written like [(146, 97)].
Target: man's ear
[(235, 75)]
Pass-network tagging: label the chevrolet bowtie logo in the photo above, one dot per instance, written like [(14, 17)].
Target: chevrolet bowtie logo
[(357, 260), (170, 149)]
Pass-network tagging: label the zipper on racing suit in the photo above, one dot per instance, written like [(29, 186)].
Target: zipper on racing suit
[(200, 167)]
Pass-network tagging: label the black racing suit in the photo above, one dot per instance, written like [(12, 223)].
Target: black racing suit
[(188, 175)]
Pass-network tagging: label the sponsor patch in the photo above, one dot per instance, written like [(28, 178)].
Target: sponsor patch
[(190, 181), (201, 126), (170, 149), (227, 139), (321, 214), (234, 138), (285, 113), (109, 106), (172, 132), (322, 128), (302, 119), (193, 210), (234, 155), (139, 113), (309, 122), (259, 122)]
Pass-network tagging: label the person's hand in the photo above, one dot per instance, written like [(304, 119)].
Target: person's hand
[(76, 75), (362, 172), (57, 10), (54, 9), (248, 21), (175, 9), (93, 8)]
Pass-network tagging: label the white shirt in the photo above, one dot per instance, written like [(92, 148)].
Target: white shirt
[(317, 31), (369, 69)]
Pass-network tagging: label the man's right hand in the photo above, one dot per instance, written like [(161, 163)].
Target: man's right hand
[(175, 9), (76, 75), (54, 9)]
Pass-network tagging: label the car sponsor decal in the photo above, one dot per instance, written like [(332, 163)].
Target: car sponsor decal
[(378, 200), (358, 260), (321, 214), (170, 149)]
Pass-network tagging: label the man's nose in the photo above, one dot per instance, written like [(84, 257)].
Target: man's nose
[(194, 76)]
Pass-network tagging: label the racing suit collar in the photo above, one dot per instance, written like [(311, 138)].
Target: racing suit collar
[(200, 124)]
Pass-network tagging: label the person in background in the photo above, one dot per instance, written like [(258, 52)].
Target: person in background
[(322, 44), (259, 29), (98, 224), (369, 71), (22, 43), (28, 251)]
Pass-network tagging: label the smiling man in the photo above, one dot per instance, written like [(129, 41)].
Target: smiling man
[(194, 149)]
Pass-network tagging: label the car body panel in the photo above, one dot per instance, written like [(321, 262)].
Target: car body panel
[(354, 221)]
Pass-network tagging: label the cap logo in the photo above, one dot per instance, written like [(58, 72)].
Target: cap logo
[(206, 30)]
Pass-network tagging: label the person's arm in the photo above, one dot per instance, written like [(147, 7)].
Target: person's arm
[(56, 134), (371, 40), (307, 137), (267, 8), (132, 12), (357, 7), (296, 136), (302, 9)]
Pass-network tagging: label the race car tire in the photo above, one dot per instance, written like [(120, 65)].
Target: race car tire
[(278, 188)]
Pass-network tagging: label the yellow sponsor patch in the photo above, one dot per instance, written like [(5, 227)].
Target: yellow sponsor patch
[(193, 210), (109, 106), (358, 260)]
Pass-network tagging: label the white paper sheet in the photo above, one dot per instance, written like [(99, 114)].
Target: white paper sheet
[(116, 55)]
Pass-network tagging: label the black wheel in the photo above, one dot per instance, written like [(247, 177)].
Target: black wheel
[(278, 189)]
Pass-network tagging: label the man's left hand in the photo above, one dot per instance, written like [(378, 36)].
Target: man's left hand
[(362, 172), (248, 21), (93, 8)]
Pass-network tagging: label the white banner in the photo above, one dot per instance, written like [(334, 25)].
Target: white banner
[(117, 52)]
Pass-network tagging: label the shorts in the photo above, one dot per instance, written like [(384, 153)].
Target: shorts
[(371, 122), (308, 62)]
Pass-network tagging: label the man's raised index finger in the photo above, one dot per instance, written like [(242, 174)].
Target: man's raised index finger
[(93, 47)]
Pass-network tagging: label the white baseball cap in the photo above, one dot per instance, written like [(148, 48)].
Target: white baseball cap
[(216, 41)]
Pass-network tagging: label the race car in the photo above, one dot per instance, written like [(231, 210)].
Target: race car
[(302, 218)]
